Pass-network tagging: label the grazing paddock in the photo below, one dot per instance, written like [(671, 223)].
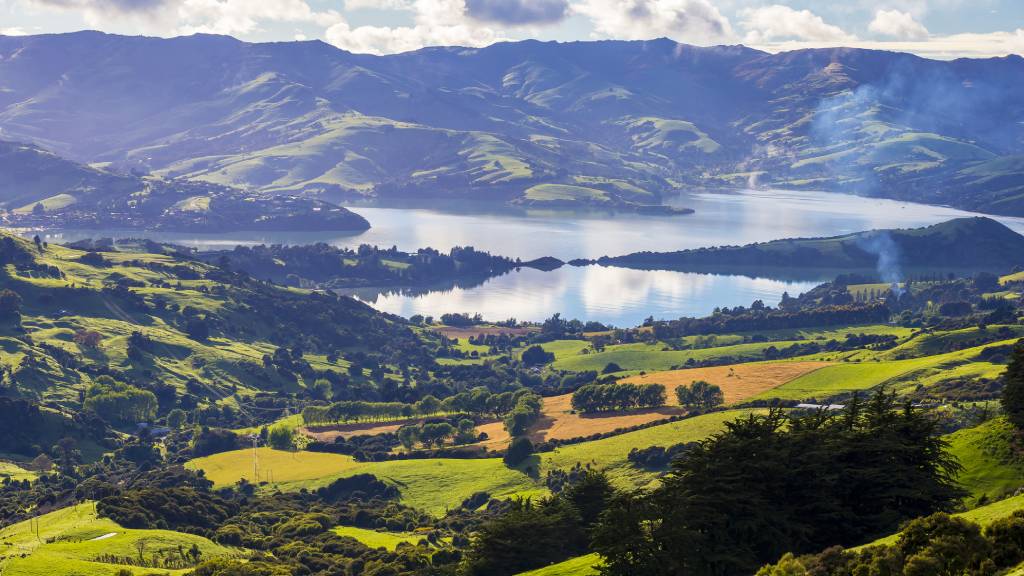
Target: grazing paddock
[(558, 422), (436, 485), (282, 467), (375, 539), (737, 381), (71, 541), (579, 566)]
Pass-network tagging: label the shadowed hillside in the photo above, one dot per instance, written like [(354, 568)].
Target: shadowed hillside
[(622, 123)]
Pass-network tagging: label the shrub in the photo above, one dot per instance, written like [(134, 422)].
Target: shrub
[(537, 356), (281, 437), (520, 449)]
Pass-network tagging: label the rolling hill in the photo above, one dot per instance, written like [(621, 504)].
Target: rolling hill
[(39, 188), (625, 123), (961, 243)]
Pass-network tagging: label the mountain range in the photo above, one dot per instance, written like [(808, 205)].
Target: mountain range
[(607, 123)]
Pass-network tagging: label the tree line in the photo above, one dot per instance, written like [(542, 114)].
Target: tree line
[(612, 397)]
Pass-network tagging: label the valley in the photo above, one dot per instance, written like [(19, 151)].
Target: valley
[(537, 308), (393, 438)]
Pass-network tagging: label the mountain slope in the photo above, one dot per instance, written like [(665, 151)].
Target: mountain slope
[(38, 188), (491, 123)]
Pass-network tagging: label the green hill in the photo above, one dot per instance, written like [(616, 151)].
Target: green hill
[(962, 243), (187, 330), (41, 189)]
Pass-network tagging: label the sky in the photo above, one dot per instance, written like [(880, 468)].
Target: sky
[(941, 29)]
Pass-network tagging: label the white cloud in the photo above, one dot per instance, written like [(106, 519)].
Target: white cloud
[(692, 21), (967, 45), (777, 22), (379, 4), (15, 31), (170, 17), (245, 16), (896, 24), (437, 23)]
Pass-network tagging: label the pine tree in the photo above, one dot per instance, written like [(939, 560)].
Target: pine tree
[(1013, 389)]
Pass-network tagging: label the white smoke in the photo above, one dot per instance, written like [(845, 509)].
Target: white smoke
[(882, 245)]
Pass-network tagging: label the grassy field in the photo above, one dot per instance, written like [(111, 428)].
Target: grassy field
[(375, 539), (656, 357), (943, 341), (1015, 277), (991, 465), (15, 472), (738, 381), (71, 540), (564, 193), (435, 485), (52, 203), (868, 373), (287, 468), (582, 566), (578, 355), (839, 378)]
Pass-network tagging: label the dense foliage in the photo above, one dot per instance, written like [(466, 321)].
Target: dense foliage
[(1013, 387), (608, 397), (937, 545), (770, 484)]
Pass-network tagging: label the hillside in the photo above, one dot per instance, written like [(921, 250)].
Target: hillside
[(192, 334), (40, 189), (160, 411), (600, 124), (963, 243)]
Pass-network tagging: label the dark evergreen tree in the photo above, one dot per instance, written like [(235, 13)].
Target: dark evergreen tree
[(770, 484), (1013, 388)]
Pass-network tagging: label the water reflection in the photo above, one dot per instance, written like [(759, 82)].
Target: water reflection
[(622, 297), (617, 296)]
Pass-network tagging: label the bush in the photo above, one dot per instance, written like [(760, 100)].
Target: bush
[(120, 403), (281, 437), (537, 356), (520, 449), (611, 368)]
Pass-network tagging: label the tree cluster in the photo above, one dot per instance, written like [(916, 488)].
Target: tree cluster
[(770, 484), (614, 397)]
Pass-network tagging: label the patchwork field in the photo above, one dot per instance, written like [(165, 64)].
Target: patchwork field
[(738, 381), (436, 485)]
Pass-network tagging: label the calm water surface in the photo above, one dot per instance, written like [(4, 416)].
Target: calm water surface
[(618, 296)]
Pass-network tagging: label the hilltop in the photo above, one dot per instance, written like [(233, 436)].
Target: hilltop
[(963, 243), (598, 124), (41, 189)]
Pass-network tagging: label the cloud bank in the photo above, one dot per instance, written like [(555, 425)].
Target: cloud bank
[(887, 24)]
